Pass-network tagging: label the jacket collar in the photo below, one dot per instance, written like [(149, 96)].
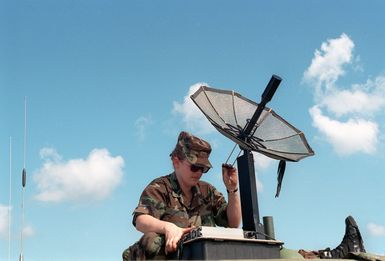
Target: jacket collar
[(197, 198)]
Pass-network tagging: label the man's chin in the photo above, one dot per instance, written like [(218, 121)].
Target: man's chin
[(194, 181)]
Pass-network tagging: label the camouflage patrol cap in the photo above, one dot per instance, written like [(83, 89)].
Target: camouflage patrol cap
[(194, 149)]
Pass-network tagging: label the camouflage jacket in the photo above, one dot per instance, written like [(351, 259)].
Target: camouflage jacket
[(163, 199)]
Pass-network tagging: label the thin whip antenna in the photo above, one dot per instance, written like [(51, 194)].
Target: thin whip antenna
[(239, 153), (25, 131), (10, 199), (24, 179), (231, 153)]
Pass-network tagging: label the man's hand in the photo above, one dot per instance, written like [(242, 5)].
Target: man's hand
[(173, 234), (230, 177)]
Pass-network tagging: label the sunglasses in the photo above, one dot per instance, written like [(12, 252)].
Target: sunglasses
[(196, 168)]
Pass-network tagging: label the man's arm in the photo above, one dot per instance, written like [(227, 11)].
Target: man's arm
[(146, 223), (234, 212)]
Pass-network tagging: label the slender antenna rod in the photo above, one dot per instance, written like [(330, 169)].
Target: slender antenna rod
[(231, 153), (10, 199), (24, 179)]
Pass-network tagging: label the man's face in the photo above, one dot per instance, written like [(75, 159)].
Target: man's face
[(189, 174)]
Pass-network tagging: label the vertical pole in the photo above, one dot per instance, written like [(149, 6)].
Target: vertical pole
[(23, 181), (247, 181), (269, 227), (10, 199), (248, 192)]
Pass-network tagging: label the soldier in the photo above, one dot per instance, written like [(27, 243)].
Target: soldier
[(170, 206)]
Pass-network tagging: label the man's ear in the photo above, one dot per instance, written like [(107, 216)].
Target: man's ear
[(175, 161)]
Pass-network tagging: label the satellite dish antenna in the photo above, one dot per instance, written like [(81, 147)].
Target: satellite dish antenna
[(254, 127)]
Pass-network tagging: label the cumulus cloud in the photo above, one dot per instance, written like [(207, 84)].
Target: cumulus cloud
[(362, 99), (141, 126), (376, 230), (191, 115), (327, 64), (93, 178), (261, 162), (359, 131), (354, 135), (50, 154), (28, 231), (4, 221)]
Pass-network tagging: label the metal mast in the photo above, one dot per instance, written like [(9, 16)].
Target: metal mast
[(10, 199), (23, 181), (247, 181)]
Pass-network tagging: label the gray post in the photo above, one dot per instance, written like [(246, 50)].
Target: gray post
[(269, 227)]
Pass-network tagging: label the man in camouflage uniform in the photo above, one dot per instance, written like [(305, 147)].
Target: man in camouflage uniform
[(170, 206)]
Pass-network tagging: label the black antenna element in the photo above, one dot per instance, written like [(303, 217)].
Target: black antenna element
[(266, 97), (24, 178), (280, 173)]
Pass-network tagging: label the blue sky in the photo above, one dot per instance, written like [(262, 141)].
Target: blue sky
[(107, 86)]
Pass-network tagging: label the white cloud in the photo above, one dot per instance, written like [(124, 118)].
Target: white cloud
[(93, 178), (343, 102), (327, 64), (261, 162), (191, 115), (376, 230), (50, 154), (28, 231), (141, 125), (364, 99), (359, 132), (354, 135), (4, 221)]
